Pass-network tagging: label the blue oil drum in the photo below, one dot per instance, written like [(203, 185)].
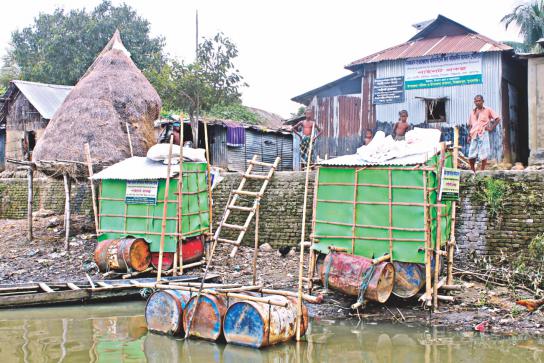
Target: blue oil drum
[(164, 311)]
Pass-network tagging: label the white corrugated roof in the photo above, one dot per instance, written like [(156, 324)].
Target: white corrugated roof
[(46, 98), (136, 168)]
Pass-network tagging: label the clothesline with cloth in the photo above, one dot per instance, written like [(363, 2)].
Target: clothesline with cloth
[(236, 134)]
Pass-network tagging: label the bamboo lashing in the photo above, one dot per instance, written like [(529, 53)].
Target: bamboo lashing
[(303, 235), (451, 244), (437, 244), (165, 208), (91, 173)]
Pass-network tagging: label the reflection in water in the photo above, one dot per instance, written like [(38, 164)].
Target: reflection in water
[(117, 333)]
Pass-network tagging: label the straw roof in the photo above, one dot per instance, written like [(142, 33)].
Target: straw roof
[(112, 93)]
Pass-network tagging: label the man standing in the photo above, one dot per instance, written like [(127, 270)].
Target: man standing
[(481, 121), (306, 135)]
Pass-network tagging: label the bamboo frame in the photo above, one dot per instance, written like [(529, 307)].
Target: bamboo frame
[(93, 194), (451, 244), (312, 263), (178, 254), (30, 199), (165, 208), (371, 238), (390, 201), (374, 185), (437, 254), (155, 233), (354, 224), (407, 204), (372, 226), (303, 235), (210, 205), (428, 289), (255, 252)]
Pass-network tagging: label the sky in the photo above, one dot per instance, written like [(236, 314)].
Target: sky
[(285, 48)]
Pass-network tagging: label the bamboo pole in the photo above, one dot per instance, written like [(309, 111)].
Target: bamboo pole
[(30, 196), (129, 139), (303, 235), (93, 194), (312, 263), (179, 245), (451, 244), (210, 201), (390, 200), (255, 252), (165, 208), (307, 297), (354, 220), (67, 183), (437, 244), (428, 288)]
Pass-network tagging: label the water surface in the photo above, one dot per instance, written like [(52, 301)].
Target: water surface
[(117, 333)]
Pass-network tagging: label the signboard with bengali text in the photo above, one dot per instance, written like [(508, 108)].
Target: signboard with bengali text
[(141, 192), (388, 90), (443, 71), (449, 186)]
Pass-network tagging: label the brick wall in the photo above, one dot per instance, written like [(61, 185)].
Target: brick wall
[(47, 194), (521, 217)]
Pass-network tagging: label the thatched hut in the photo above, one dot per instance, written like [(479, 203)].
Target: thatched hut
[(113, 96)]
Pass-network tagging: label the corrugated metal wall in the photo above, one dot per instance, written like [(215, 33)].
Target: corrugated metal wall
[(460, 98), (339, 118), (458, 105), (266, 145)]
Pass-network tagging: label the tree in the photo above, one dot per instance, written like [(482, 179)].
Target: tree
[(8, 71), (530, 19), (212, 80), (59, 47)]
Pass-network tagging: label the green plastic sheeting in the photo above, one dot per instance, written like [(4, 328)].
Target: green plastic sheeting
[(336, 211), (145, 221)]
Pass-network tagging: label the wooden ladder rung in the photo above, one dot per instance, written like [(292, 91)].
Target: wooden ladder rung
[(245, 192), (255, 162), (44, 287), (233, 226), (227, 241), (72, 286), (104, 284), (255, 176), (237, 207)]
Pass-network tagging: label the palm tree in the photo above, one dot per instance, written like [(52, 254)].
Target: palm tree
[(530, 19)]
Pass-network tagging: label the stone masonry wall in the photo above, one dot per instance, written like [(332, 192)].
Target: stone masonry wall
[(48, 194), (519, 219)]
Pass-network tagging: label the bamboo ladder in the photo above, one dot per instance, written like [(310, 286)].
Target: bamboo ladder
[(236, 194)]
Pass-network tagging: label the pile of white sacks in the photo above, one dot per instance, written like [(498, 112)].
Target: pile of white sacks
[(419, 145)]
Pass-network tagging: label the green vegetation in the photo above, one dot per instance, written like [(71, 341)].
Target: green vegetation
[(491, 192), (236, 112), (59, 47), (536, 248), (529, 17)]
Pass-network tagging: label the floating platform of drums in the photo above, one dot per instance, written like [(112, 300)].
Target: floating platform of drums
[(248, 316)]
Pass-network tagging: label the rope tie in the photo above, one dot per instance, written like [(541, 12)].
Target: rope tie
[(327, 272), (364, 284)]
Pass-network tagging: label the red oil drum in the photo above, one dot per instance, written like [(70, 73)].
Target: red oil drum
[(164, 311), (258, 325), (167, 260), (123, 254), (345, 273), (193, 249)]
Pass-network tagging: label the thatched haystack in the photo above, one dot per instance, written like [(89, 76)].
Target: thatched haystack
[(112, 93)]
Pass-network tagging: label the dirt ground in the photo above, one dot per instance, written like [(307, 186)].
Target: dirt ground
[(45, 259)]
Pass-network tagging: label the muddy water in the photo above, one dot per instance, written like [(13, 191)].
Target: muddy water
[(117, 333)]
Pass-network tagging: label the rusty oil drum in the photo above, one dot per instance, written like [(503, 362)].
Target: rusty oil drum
[(208, 317), (409, 279), (346, 273), (164, 311), (259, 325), (122, 254)]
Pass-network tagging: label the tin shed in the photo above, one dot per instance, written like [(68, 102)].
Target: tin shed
[(131, 200)]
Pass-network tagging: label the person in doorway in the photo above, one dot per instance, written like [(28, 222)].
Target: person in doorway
[(368, 136), (402, 125), (481, 121), (303, 129)]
